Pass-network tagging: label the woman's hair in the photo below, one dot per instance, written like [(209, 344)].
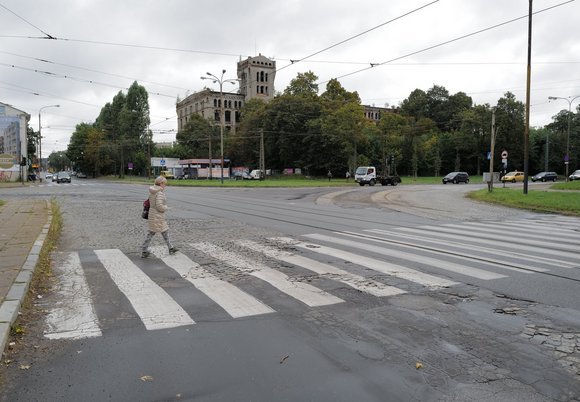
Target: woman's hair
[(160, 180)]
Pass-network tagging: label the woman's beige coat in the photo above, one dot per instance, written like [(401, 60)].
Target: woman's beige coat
[(157, 222)]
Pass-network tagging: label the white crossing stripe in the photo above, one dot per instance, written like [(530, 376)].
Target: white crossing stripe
[(74, 317), (433, 262), (470, 247), (522, 234), (461, 236), (398, 271), (532, 229), (355, 281), (303, 292), (234, 301), (154, 306)]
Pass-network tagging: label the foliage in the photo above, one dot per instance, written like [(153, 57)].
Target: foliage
[(433, 132)]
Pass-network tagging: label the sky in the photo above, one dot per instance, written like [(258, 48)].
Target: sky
[(479, 47)]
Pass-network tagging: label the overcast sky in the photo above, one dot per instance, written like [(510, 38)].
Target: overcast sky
[(103, 46)]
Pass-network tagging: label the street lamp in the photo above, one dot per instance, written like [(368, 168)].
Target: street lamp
[(569, 99), (40, 135), (220, 81)]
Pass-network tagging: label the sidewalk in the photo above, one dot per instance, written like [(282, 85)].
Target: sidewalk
[(24, 225)]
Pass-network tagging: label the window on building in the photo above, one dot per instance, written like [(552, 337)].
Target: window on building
[(217, 115), (237, 117), (215, 104), (228, 116)]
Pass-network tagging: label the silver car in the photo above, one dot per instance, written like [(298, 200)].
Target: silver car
[(575, 175)]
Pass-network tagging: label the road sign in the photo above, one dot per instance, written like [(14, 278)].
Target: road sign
[(162, 162), (504, 154)]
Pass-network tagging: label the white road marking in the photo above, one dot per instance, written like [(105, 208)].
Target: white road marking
[(234, 301), (433, 262), (303, 292), (398, 271), (154, 306), (74, 317), (355, 281), (472, 247), (461, 236)]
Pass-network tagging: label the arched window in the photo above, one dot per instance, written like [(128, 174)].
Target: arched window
[(215, 104)]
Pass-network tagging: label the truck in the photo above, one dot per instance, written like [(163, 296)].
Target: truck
[(368, 175)]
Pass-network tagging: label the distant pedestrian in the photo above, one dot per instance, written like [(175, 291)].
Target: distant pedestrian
[(156, 221), (347, 175), (329, 174)]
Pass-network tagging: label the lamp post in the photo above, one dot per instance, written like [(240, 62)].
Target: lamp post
[(220, 81), (569, 99), (40, 135)]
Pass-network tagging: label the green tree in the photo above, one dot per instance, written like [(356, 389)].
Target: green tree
[(303, 85), (194, 137)]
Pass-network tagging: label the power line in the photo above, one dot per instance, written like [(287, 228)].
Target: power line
[(47, 36), (358, 35), (93, 71), (373, 65)]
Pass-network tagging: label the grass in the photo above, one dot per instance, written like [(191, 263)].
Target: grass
[(571, 185), (541, 201)]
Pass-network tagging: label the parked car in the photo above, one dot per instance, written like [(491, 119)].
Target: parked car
[(63, 177), (575, 175), (241, 175), (167, 174), (513, 177), (55, 177), (456, 177), (545, 176), (48, 176), (81, 175)]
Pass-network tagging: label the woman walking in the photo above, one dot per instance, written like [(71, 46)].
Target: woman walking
[(156, 220)]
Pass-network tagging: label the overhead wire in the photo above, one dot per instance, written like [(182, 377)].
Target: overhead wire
[(373, 65)]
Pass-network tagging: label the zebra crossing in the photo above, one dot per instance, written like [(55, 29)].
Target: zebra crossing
[(432, 257), (73, 184)]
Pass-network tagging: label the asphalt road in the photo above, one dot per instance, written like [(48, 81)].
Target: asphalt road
[(408, 293)]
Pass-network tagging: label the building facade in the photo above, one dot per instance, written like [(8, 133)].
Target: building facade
[(256, 80), (256, 77), (13, 142)]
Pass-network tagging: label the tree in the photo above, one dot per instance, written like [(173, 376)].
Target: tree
[(510, 124), (303, 85), (194, 137)]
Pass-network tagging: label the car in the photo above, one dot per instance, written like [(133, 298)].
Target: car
[(167, 174), (575, 175), (81, 175), (48, 176), (456, 177), (545, 176), (54, 177), (513, 177), (242, 175), (63, 177)]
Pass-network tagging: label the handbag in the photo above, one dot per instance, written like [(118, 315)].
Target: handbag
[(145, 213)]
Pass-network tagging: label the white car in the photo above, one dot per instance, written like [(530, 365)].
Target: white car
[(48, 176), (575, 175)]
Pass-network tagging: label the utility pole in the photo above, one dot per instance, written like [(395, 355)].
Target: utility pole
[(262, 154), (490, 182), (529, 77)]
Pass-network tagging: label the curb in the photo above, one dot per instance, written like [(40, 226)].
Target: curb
[(11, 305)]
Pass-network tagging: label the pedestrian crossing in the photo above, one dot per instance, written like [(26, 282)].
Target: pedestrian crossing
[(73, 184), (315, 270)]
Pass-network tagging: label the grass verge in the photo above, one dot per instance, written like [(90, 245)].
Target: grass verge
[(540, 201), (41, 279)]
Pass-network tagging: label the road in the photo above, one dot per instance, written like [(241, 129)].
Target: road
[(408, 293)]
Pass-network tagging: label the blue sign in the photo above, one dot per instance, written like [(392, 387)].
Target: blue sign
[(162, 162), (566, 158)]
